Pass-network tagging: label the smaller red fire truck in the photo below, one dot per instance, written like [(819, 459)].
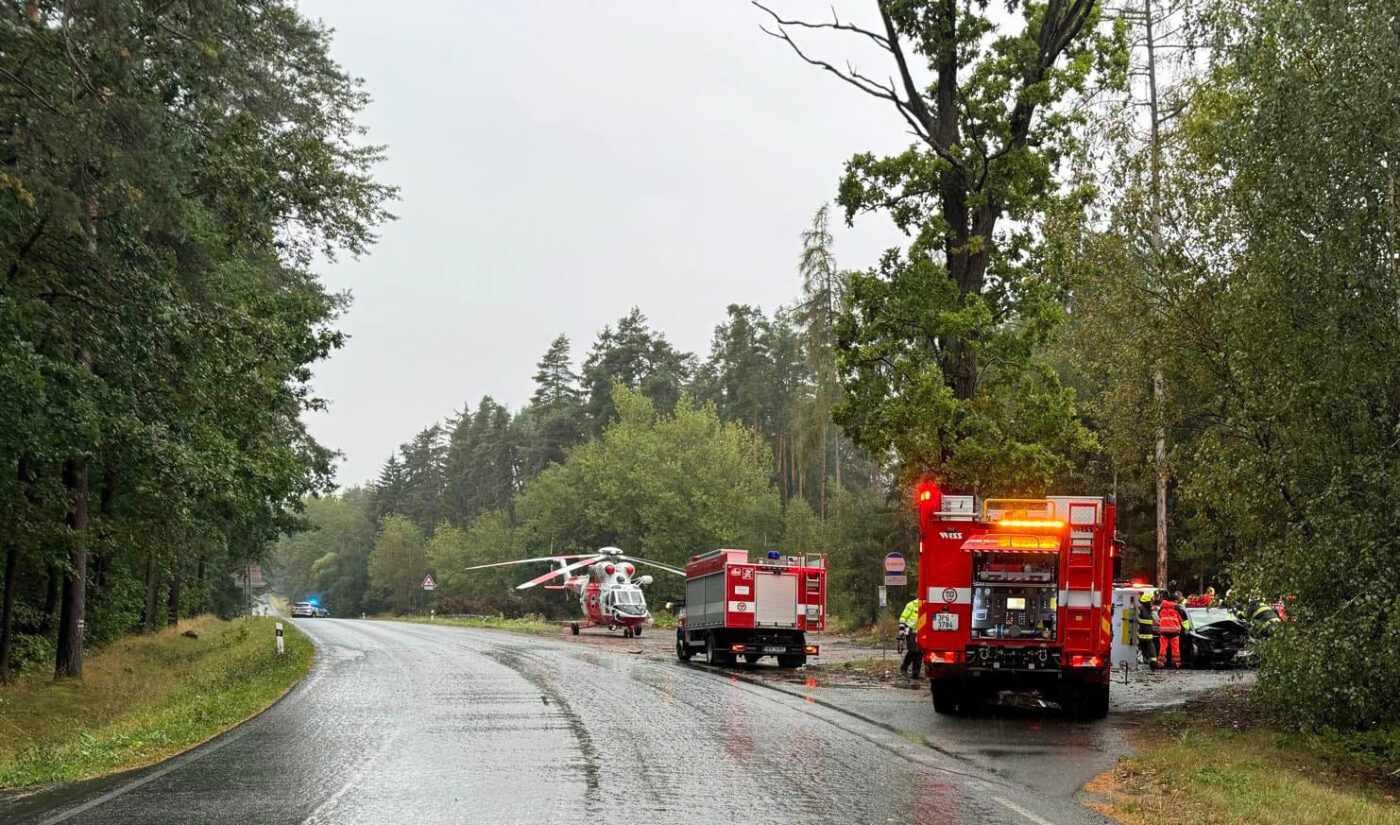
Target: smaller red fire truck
[(1017, 596), (740, 608)]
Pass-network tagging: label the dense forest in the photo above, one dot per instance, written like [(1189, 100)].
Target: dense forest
[(167, 177), (1179, 282)]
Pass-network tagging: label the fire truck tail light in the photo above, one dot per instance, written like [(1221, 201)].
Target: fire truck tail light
[(812, 650), (738, 648), (1080, 660), (950, 657)]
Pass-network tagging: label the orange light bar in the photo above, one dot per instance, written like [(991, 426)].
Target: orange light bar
[(1050, 523)]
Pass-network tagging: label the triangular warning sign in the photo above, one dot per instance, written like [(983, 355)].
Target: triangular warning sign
[(428, 583)]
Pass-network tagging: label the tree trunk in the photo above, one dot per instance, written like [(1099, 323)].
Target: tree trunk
[(199, 583), (821, 494), (782, 469), (68, 661), (173, 605), (7, 600), (7, 606), (50, 600), (149, 617), (838, 462)]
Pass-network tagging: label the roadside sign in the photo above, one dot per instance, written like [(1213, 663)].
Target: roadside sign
[(428, 583), (895, 567), (884, 598)]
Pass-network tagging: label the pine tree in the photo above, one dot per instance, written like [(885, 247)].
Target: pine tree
[(637, 358), (556, 412)]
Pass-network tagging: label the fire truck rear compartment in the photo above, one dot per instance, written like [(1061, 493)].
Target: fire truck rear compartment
[(1013, 597)]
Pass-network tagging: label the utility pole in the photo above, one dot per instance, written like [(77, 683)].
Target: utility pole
[(1158, 379)]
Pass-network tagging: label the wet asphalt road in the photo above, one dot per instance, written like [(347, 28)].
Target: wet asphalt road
[(404, 723)]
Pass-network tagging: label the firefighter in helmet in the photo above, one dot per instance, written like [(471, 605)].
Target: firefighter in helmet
[(1264, 618), (1169, 627), (1147, 636), (913, 657)]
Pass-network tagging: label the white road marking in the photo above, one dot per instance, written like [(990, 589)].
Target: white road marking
[(1012, 806)]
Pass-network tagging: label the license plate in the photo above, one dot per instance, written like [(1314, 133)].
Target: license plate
[(945, 621), (775, 650)]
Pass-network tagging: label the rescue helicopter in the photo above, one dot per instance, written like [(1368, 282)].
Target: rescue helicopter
[(608, 593)]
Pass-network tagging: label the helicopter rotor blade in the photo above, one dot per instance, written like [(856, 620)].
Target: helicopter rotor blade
[(658, 565), (562, 571), (532, 561)]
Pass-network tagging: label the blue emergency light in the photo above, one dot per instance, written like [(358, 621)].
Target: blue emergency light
[(774, 555)]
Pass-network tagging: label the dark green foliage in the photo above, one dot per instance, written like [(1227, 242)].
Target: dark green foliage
[(1270, 301), (636, 357), (167, 175), (935, 344), (556, 411)]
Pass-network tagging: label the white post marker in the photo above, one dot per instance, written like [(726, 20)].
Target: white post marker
[(280, 648)]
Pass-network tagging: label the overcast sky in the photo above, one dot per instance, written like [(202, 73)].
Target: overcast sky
[(559, 163)]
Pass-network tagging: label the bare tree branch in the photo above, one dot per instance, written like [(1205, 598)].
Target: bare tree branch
[(835, 24), (912, 107)]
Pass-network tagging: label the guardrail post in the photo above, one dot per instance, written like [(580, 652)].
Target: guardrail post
[(280, 648)]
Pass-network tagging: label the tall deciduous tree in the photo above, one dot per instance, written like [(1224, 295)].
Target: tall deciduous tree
[(936, 343), (398, 563)]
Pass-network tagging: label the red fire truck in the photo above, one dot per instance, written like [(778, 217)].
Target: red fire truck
[(1017, 596), (740, 608)]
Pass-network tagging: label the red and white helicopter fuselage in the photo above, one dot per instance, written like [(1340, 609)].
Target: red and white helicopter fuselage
[(605, 583)]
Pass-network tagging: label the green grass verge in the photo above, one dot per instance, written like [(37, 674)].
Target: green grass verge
[(525, 624), (1198, 773), (144, 699)]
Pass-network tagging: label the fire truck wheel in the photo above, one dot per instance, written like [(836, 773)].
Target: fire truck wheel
[(714, 655), (792, 662), (626, 632), (573, 628), (637, 631), (682, 649), (1092, 702), (946, 695)]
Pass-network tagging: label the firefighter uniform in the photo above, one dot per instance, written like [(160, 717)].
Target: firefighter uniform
[(1147, 638), (1264, 618), (913, 657), (1169, 626)]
